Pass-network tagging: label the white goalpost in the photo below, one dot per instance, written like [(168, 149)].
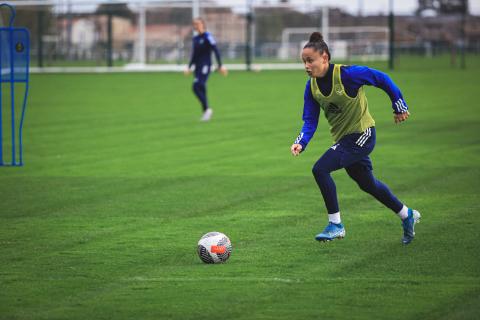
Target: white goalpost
[(363, 43)]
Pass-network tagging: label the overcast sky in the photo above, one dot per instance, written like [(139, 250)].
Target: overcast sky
[(352, 6)]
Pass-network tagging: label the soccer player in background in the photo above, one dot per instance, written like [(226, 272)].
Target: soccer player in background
[(203, 45), (338, 91)]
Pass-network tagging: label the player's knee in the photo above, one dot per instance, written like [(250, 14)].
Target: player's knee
[(367, 187), (366, 184), (319, 170), (364, 179)]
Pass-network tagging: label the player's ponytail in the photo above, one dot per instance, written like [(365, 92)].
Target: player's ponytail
[(316, 37), (318, 44)]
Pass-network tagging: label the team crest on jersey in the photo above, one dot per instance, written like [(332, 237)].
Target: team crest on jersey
[(338, 89)]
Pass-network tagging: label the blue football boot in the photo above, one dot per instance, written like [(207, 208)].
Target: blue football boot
[(332, 231), (409, 225)]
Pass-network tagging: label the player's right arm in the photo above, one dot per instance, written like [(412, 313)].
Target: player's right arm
[(188, 69), (311, 112)]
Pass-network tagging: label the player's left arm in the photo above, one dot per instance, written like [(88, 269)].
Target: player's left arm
[(361, 75), (213, 45)]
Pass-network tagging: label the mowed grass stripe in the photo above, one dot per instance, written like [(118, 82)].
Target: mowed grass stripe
[(121, 180)]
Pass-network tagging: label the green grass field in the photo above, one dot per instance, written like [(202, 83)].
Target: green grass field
[(121, 180)]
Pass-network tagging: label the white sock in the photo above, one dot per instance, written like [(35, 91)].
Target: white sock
[(334, 217), (403, 213)]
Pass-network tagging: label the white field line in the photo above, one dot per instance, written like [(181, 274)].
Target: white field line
[(459, 282), (202, 279)]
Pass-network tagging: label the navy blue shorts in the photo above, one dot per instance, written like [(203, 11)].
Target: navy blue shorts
[(202, 73), (351, 151)]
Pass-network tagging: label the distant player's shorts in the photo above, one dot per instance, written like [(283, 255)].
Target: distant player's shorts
[(201, 73), (351, 150)]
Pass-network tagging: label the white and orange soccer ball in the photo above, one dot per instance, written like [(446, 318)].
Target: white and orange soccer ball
[(214, 247)]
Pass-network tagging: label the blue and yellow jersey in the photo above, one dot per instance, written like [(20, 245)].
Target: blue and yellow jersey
[(203, 45), (345, 87)]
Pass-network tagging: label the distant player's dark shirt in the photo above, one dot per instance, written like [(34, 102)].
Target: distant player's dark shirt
[(203, 45)]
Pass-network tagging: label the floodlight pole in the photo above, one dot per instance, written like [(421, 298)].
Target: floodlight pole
[(391, 26), (109, 40)]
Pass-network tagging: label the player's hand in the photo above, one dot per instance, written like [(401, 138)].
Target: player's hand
[(223, 71), (187, 71), (400, 117), (296, 149)]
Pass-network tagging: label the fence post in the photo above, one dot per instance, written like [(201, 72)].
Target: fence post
[(391, 26), (109, 41)]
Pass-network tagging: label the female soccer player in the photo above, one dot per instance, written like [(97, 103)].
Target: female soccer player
[(338, 91), (203, 45)]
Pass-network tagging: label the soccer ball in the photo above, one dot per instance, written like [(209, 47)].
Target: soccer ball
[(214, 247)]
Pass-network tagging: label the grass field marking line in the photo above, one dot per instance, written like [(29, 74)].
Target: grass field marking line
[(296, 280), (202, 279)]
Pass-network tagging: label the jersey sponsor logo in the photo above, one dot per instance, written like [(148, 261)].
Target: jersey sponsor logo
[(333, 108)]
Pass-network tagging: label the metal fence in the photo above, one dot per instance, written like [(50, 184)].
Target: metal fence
[(158, 34)]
